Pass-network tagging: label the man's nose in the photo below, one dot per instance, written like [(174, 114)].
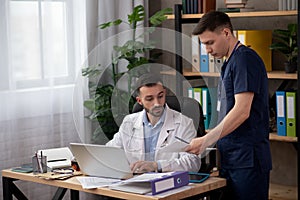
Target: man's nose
[(208, 49)]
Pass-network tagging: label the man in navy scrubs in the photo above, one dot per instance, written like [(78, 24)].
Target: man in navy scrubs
[(242, 134)]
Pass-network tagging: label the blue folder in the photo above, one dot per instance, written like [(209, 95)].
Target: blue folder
[(281, 113)]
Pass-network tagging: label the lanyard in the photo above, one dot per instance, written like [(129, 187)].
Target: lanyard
[(221, 86), (226, 61)]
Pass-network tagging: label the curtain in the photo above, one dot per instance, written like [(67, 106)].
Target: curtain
[(100, 47), (43, 45)]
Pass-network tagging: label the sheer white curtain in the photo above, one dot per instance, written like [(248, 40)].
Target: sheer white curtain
[(101, 42), (43, 45)]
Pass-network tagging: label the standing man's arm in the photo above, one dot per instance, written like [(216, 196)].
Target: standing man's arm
[(236, 116)]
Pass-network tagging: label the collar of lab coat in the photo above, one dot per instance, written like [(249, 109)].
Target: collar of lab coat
[(169, 125)]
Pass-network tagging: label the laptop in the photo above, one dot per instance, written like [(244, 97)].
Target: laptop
[(101, 160)]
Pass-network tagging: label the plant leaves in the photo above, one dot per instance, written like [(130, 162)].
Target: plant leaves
[(160, 16), (109, 24), (137, 15)]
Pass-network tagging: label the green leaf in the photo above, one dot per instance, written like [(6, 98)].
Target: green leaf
[(160, 16), (109, 24), (91, 71), (137, 15), (89, 104)]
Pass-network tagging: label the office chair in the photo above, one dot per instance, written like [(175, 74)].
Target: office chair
[(192, 109)]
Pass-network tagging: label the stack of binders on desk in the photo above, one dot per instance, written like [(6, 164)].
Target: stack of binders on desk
[(286, 113)]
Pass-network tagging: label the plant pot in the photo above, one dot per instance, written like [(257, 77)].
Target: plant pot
[(290, 67)]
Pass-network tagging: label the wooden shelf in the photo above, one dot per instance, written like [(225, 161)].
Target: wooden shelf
[(271, 75), (283, 192), (282, 75), (275, 137), (244, 14)]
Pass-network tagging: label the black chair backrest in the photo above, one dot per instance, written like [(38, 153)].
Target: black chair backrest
[(187, 106)]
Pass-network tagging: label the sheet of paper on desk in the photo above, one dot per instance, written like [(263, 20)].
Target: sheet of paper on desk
[(147, 177), (176, 146), (89, 182)]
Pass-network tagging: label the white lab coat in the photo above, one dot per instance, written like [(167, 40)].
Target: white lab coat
[(131, 138)]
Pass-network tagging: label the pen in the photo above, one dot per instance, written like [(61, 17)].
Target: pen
[(209, 149), (56, 160), (182, 140)]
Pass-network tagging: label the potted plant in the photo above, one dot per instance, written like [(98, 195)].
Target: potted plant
[(285, 42), (134, 52)]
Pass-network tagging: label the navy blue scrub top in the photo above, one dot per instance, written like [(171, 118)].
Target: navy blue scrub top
[(245, 72)]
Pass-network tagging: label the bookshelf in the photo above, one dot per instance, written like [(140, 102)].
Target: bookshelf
[(179, 19), (271, 75), (243, 14), (194, 18)]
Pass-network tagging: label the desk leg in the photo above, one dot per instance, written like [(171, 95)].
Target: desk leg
[(7, 193), (74, 194), (59, 194), (10, 189)]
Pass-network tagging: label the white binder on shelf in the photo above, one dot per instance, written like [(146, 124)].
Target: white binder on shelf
[(195, 53)]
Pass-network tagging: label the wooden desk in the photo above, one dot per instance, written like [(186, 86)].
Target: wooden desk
[(9, 189)]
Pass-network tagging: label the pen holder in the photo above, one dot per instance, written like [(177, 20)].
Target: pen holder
[(39, 164)]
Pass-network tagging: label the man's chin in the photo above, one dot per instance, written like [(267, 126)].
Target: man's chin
[(157, 113)]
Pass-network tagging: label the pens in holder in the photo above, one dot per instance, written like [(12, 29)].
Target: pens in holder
[(40, 162), (182, 140)]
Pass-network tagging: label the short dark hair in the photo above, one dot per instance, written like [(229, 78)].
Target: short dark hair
[(149, 80), (211, 21)]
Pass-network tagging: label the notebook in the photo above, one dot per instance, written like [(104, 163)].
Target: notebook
[(101, 160)]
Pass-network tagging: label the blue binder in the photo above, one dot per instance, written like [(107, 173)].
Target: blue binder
[(204, 60), (281, 112)]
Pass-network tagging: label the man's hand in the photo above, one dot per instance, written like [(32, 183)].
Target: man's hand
[(196, 146), (143, 166)]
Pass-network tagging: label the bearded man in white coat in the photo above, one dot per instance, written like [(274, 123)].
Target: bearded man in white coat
[(143, 135)]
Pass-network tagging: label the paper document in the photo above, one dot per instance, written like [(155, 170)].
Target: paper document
[(176, 146), (147, 177), (89, 182)]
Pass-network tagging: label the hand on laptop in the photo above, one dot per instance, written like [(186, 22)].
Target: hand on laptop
[(140, 167)]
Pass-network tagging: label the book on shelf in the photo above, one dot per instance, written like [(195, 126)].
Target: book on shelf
[(197, 6), (201, 60), (286, 113), (280, 113), (205, 96), (288, 4), (237, 5), (258, 40), (291, 113)]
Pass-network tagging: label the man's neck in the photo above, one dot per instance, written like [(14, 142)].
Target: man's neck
[(232, 45), (152, 119)]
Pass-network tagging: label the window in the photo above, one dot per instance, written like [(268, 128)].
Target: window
[(39, 41), (42, 45)]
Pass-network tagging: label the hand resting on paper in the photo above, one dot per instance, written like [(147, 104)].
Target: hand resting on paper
[(140, 167)]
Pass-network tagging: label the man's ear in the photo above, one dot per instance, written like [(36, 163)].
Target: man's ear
[(138, 99)]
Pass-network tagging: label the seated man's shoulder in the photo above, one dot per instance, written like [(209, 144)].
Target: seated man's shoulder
[(131, 117), (179, 115)]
